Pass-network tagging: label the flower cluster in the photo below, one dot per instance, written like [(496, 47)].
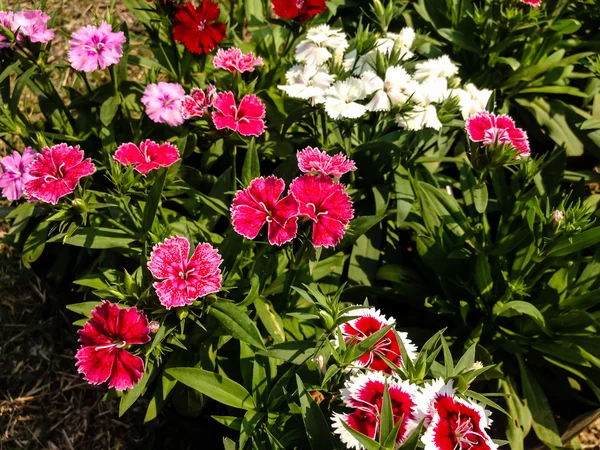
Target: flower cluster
[(350, 85), (31, 24), (314, 196)]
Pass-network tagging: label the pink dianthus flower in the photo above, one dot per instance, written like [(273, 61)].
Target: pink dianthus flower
[(6, 18), (148, 156), (490, 129), (163, 102), (198, 102), (234, 60), (247, 119), (535, 3), (15, 173), (313, 160), (32, 24), (93, 47)]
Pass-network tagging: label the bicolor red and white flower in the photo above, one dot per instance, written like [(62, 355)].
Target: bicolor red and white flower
[(314, 160), (490, 129), (55, 173), (365, 393), (196, 27), (198, 102), (258, 204), (183, 279), (163, 102), (247, 119), (102, 356), (368, 321), (298, 9), (95, 47), (148, 156), (234, 60)]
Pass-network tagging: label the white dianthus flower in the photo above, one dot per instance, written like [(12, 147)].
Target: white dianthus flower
[(419, 118), (340, 99), (402, 42), (440, 67), (319, 44), (307, 82), (471, 100)]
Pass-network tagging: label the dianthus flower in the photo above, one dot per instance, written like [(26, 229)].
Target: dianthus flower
[(15, 173), (319, 43), (6, 18), (196, 27), (197, 103), (184, 279), (341, 99), (32, 24), (298, 9), (441, 67), (367, 323), (234, 60), (364, 393), (93, 47), (307, 82), (55, 173), (313, 160), (258, 204), (535, 3), (148, 156), (490, 129), (163, 102), (327, 204), (247, 119), (102, 355)]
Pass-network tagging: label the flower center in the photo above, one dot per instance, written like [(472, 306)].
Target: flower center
[(116, 344), (185, 274), (493, 135), (202, 25), (466, 436), (299, 4), (58, 174)]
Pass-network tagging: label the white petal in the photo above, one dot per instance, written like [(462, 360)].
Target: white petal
[(379, 102), (354, 110)]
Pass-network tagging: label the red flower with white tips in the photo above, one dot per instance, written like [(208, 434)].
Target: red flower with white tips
[(184, 279), (247, 119), (313, 160), (490, 129), (198, 102), (258, 204), (364, 393), (327, 204), (368, 322), (102, 356), (298, 9), (148, 156), (196, 27)]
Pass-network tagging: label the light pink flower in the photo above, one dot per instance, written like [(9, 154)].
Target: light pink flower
[(364, 394), (197, 103), (184, 280), (259, 204), (163, 102), (312, 159), (32, 24), (234, 60), (327, 204), (15, 173), (6, 18), (490, 129), (56, 171), (148, 156), (246, 120), (535, 3), (102, 355), (93, 47)]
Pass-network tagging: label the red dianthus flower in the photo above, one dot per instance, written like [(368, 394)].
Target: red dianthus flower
[(196, 27), (298, 9)]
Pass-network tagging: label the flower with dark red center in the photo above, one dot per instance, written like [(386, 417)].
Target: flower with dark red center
[(367, 323), (196, 27), (184, 278), (247, 119), (365, 393), (490, 129), (197, 103), (102, 355), (148, 156), (298, 9), (327, 204), (312, 159), (258, 204)]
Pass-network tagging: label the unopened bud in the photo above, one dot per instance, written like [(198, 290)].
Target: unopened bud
[(78, 204), (182, 312), (557, 216), (327, 320), (154, 326)]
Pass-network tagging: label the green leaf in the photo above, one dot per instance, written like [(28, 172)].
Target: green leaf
[(251, 167), (522, 307), (109, 109), (367, 442), (405, 195), (249, 423), (483, 275), (466, 361), (153, 201), (8, 70), (387, 415), (237, 323), (215, 386), (295, 352), (131, 395), (413, 441), (581, 241), (358, 227), (99, 237), (459, 39), (84, 308), (35, 243), (235, 423), (480, 197), (228, 444), (317, 428), (15, 97), (270, 319)]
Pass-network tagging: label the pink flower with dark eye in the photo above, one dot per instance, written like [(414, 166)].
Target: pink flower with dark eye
[(6, 18), (327, 204), (234, 60), (15, 173), (93, 47), (184, 279), (102, 355), (148, 156), (368, 322), (313, 160), (55, 173), (535, 3), (32, 24), (490, 129), (198, 102), (163, 102), (364, 393), (259, 204), (246, 120)]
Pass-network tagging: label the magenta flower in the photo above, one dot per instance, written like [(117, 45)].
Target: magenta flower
[(246, 120), (163, 102), (235, 61), (102, 355), (327, 204), (490, 129), (313, 160), (148, 156), (364, 394), (535, 3), (259, 204), (15, 173), (184, 280), (198, 102), (55, 173), (6, 18), (32, 24), (93, 47)]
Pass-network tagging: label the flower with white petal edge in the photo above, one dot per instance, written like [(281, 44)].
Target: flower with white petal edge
[(428, 394), (419, 118), (315, 49), (340, 99), (307, 82), (441, 67)]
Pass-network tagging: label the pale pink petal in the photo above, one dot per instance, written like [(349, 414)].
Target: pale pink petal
[(169, 257)]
